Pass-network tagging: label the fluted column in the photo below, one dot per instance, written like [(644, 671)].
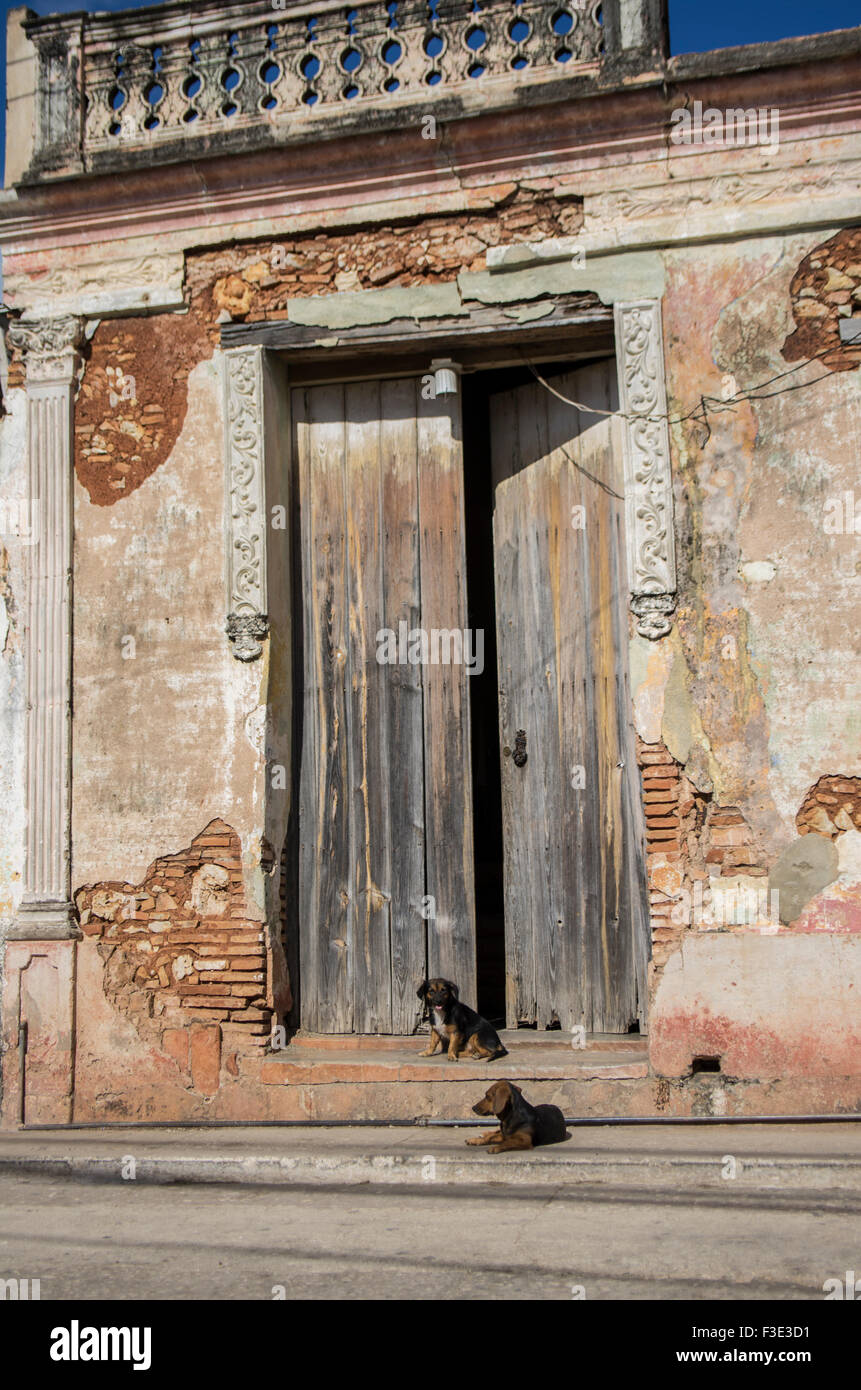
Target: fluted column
[(49, 347)]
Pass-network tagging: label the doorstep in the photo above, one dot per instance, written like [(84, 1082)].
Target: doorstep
[(382, 1079), (398, 1059), (512, 1038)]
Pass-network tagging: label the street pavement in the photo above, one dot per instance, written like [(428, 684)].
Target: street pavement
[(726, 1212)]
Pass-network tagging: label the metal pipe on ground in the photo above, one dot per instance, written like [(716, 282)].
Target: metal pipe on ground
[(422, 1123)]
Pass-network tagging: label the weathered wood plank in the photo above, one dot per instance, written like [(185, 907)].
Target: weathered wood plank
[(324, 853), (522, 895), (403, 693), (448, 782), (370, 826), (513, 581)]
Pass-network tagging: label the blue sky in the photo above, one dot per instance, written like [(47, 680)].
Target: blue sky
[(695, 25)]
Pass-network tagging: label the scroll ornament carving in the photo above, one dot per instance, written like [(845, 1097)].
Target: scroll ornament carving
[(648, 488), (247, 622)]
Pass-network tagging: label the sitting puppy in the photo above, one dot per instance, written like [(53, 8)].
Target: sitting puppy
[(455, 1025), (521, 1125)]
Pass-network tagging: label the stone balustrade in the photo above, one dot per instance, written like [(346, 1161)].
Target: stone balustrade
[(198, 78)]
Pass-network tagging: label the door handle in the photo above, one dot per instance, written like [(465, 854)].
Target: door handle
[(520, 754)]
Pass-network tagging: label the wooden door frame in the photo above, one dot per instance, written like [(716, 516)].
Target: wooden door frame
[(261, 362)]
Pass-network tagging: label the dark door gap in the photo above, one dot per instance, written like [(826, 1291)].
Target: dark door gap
[(477, 389)]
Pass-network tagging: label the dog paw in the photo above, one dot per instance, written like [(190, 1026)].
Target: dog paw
[(425, 1054), (494, 1148)]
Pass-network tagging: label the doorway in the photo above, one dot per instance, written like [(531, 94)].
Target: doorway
[(483, 824)]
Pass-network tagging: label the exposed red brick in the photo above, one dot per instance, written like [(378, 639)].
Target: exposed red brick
[(824, 271), (831, 806), (150, 974), (205, 1052), (121, 441)]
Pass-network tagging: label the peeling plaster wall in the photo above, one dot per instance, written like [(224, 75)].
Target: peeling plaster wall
[(757, 691), (763, 690), (166, 733)]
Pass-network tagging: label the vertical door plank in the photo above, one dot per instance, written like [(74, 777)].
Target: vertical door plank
[(367, 727), (512, 584), (448, 780), (520, 535), (324, 855), (542, 637), (403, 693)]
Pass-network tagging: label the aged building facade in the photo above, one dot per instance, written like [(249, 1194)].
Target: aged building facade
[(430, 546)]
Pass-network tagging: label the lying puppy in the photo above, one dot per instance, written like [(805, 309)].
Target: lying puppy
[(521, 1125), (456, 1025)]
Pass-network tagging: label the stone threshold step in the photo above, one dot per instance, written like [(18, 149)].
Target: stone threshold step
[(359, 1068), (512, 1038)]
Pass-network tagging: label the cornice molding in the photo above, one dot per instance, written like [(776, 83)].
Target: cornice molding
[(345, 176)]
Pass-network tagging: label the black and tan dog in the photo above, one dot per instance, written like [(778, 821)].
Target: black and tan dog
[(521, 1125), (455, 1025)]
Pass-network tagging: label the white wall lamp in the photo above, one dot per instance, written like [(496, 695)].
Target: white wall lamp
[(445, 376)]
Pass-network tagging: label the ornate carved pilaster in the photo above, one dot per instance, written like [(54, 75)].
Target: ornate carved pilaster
[(50, 356), (648, 480), (247, 617)]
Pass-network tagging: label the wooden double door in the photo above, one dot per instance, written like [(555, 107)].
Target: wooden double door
[(386, 874)]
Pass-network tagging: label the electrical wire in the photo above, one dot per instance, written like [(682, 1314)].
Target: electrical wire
[(700, 411)]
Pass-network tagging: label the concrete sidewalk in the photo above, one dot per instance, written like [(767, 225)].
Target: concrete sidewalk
[(790, 1156)]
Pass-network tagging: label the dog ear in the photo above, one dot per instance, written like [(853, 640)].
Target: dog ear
[(502, 1097), (422, 989), (453, 989)]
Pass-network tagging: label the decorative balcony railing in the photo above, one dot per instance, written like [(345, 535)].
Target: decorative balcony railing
[(145, 79)]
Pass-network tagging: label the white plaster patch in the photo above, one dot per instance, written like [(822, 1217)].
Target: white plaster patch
[(650, 664), (255, 728), (210, 890), (182, 966), (758, 571)]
